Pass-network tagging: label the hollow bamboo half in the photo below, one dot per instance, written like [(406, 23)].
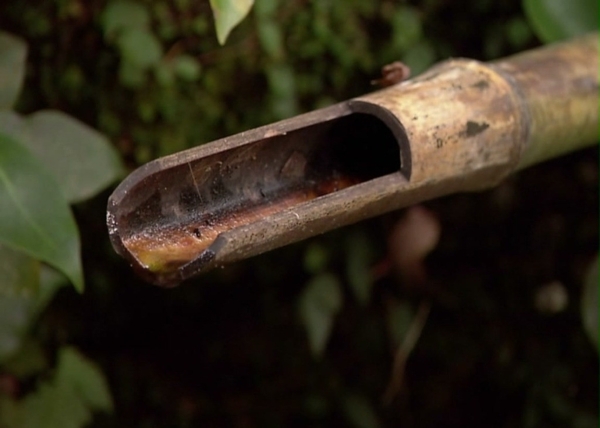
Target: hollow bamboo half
[(463, 125)]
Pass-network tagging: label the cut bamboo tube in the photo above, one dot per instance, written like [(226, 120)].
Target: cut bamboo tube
[(463, 125)]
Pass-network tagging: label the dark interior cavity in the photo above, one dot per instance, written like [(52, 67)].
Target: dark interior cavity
[(316, 160), (169, 217)]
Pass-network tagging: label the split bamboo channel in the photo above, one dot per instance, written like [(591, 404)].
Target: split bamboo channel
[(463, 125)]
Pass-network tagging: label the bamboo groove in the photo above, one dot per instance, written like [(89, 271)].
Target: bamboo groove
[(464, 125)]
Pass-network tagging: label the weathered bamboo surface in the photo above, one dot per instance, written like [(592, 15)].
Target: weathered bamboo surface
[(464, 125)]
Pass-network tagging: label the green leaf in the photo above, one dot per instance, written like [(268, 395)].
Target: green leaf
[(554, 20), (228, 14), (316, 257), (25, 289), (320, 302), (13, 52), (67, 401), (589, 303), (131, 76), (419, 56), (85, 378), (187, 67), (81, 159), (30, 360), (139, 47), (282, 85), (121, 15), (271, 40), (50, 281), (358, 267), (18, 288), (164, 73), (406, 28), (19, 273), (34, 215)]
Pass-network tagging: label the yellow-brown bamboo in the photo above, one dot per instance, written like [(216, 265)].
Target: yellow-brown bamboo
[(464, 125)]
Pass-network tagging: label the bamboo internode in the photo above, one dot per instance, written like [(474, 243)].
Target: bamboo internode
[(463, 125)]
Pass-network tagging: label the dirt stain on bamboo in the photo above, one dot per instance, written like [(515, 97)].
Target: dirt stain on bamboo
[(165, 250), (474, 128)]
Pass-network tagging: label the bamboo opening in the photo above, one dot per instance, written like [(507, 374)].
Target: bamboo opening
[(170, 217)]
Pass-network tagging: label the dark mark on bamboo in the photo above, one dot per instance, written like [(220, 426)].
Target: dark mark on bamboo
[(474, 128), (482, 84)]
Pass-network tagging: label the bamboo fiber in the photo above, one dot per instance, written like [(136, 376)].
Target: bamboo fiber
[(464, 125)]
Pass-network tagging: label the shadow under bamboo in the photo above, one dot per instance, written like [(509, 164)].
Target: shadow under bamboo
[(462, 126)]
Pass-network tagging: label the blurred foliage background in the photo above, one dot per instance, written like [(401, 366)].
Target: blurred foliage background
[(503, 272)]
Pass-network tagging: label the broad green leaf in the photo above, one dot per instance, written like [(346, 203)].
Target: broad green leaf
[(13, 52), (85, 378), (30, 360), (139, 47), (18, 289), (68, 400), (25, 290), (12, 125), (228, 14), (320, 302), (81, 159), (121, 15), (589, 303), (554, 20), (54, 405), (19, 273), (34, 215), (51, 281)]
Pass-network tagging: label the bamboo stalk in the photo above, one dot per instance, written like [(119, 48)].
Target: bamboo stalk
[(563, 109), (463, 125)]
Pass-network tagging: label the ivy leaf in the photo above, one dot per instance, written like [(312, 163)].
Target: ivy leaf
[(85, 378), (67, 401), (81, 159), (139, 47), (13, 52), (122, 14), (320, 302), (187, 67), (554, 20), (228, 14), (34, 215), (25, 289), (18, 288)]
